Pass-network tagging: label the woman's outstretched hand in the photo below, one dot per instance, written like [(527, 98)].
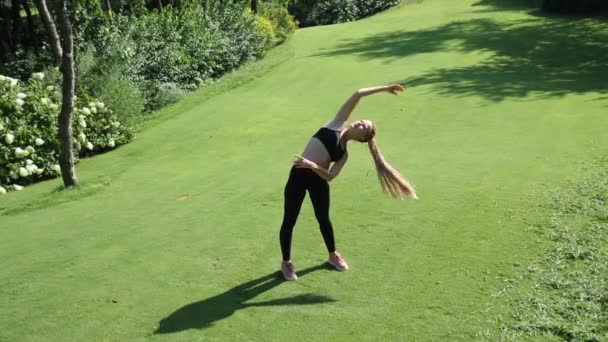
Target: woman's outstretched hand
[(395, 89), (301, 162)]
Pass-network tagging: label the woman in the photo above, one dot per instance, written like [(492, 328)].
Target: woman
[(311, 171)]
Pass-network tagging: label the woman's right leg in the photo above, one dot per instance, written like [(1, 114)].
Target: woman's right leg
[(295, 191)]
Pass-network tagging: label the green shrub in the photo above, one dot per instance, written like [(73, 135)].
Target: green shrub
[(368, 7), (28, 128), (122, 95), (267, 28), (186, 46), (106, 81), (327, 12), (323, 12), (302, 11), (167, 94), (21, 63), (284, 23)]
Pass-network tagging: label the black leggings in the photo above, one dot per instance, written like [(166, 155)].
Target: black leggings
[(299, 181)]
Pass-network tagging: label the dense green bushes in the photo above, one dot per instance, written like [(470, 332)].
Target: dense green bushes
[(323, 12), (168, 52), (283, 23), (133, 60), (176, 48), (328, 12), (369, 7)]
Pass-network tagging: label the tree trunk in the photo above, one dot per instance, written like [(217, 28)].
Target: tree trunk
[(6, 37), (107, 6), (49, 25), (254, 6), (63, 50), (30, 26), (16, 18), (66, 156)]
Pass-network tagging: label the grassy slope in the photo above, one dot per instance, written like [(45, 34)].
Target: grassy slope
[(481, 145)]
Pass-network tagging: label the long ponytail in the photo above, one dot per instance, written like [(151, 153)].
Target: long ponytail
[(391, 181)]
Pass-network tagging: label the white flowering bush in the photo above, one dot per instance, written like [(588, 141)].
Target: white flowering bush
[(29, 145)]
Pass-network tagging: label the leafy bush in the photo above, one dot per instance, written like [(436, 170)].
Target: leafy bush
[(29, 149), (314, 12), (185, 46), (106, 81), (369, 7), (21, 63), (167, 94), (284, 24), (328, 12), (268, 29), (302, 10)]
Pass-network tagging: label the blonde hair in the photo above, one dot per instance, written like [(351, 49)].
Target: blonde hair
[(391, 181)]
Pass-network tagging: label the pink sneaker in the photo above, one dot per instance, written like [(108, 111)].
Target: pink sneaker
[(288, 270), (336, 260)]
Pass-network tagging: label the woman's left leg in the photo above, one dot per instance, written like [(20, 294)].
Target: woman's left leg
[(319, 195)]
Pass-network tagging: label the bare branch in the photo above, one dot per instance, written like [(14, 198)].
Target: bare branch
[(51, 30)]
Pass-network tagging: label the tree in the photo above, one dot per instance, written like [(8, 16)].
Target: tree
[(107, 5), (62, 44)]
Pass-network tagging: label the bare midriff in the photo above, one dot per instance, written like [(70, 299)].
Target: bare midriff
[(315, 151)]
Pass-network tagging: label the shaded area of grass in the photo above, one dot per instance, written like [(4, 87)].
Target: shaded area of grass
[(580, 7), (194, 207), (204, 313), (568, 292), (545, 57), (509, 4), (58, 195)]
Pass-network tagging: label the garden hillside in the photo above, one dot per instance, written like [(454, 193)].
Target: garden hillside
[(174, 236)]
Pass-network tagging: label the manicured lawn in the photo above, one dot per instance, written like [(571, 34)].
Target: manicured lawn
[(177, 232)]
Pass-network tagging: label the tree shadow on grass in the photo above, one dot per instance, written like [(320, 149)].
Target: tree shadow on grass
[(586, 8), (58, 195), (545, 57), (508, 4), (204, 313)]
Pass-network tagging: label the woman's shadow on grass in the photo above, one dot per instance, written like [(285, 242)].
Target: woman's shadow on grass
[(204, 313)]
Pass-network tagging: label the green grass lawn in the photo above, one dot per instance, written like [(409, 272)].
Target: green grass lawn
[(177, 232)]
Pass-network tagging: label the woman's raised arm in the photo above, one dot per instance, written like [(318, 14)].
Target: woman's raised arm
[(347, 108)]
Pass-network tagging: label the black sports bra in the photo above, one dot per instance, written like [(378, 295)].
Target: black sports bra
[(331, 140)]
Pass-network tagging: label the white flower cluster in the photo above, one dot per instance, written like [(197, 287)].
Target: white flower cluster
[(91, 109), (15, 186), (81, 121), (47, 102), (20, 99), (9, 138), (22, 153), (11, 81)]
